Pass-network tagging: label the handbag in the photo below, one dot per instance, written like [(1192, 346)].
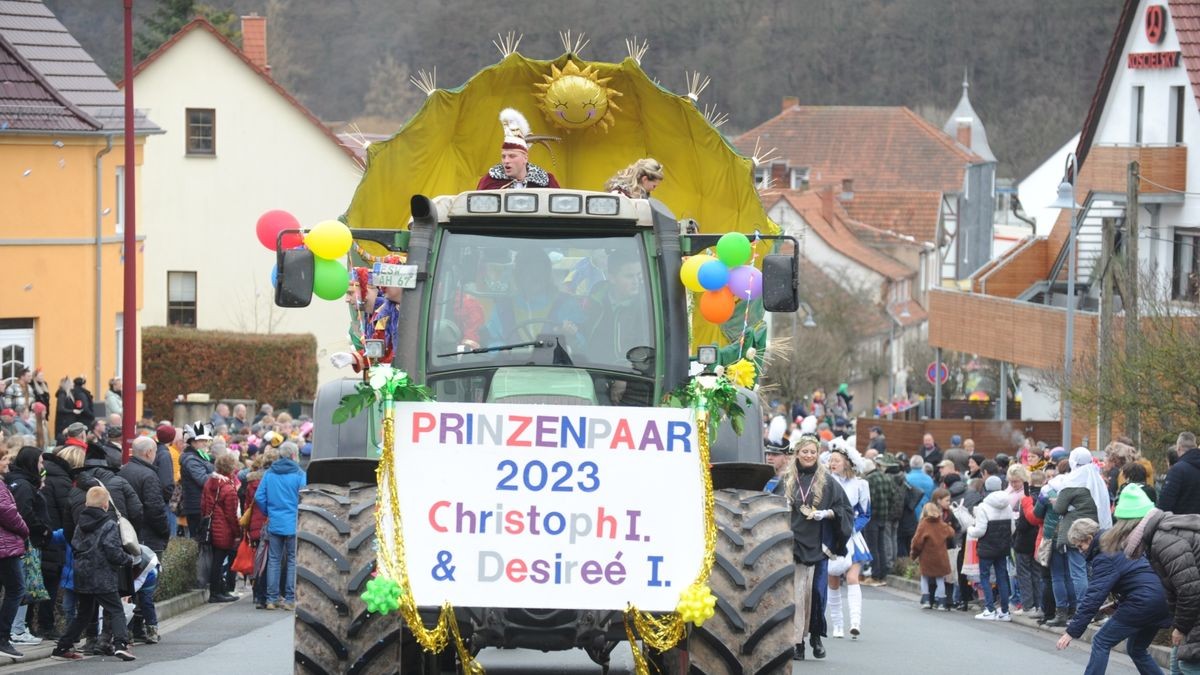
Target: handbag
[(970, 566), (31, 570), (244, 521), (260, 555), (243, 562), (1042, 554), (176, 502), (129, 538), (205, 536)]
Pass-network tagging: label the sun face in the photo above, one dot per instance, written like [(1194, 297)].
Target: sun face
[(575, 98)]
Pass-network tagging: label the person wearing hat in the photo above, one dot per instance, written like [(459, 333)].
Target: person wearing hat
[(877, 440), (164, 466), (515, 172), (195, 469), (1171, 544), (844, 465), (1141, 603), (957, 453), (776, 450)]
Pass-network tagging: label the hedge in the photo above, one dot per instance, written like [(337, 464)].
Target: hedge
[(274, 369)]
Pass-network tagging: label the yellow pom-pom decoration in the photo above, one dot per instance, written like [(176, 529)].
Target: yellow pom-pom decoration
[(742, 373), (697, 604)]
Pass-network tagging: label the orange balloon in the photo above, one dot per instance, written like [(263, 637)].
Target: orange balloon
[(717, 306)]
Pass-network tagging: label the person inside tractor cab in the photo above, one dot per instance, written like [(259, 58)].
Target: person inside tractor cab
[(515, 172), (618, 315), (534, 305)]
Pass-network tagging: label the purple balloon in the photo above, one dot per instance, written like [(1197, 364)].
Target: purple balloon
[(745, 282)]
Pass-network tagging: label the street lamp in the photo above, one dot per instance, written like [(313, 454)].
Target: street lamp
[(809, 321), (1066, 200)]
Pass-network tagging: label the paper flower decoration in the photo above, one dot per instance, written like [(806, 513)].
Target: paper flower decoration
[(382, 595), (385, 380), (742, 373), (696, 604)]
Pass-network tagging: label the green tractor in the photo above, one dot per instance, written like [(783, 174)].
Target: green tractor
[(475, 253)]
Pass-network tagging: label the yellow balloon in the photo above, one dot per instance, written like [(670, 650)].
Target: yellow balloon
[(689, 274), (329, 239)]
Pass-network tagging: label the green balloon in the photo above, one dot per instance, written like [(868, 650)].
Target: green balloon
[(330, 279), (733, 249)]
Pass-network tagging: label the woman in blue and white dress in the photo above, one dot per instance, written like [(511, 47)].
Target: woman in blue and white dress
[(843, 464)]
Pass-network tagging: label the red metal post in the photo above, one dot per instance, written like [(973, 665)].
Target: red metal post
[(129, 373)]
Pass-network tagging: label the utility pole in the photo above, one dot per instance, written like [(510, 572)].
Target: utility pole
[(1107, 265), (129, 369), (1130, 298)]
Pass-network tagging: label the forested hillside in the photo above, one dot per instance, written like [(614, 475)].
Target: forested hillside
[(1033, 64)]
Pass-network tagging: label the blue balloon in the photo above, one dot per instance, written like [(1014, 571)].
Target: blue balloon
[(713, 275), (275, 276)]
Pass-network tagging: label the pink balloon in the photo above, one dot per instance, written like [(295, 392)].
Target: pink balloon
[(271, 223), (745, 282)]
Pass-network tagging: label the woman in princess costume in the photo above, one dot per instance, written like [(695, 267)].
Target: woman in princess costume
[(843, 466)]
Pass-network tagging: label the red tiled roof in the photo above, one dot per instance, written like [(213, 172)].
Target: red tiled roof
[(29, 103), (202, 23), (881, 148), (837, 234), (912, 213), (1185, 16)]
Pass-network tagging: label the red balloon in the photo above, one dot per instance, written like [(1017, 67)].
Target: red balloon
[(271, 223), (717, 306)]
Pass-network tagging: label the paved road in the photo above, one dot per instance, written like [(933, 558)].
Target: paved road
[(898, 638)]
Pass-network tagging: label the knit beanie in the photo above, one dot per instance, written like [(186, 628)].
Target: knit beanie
[(992, 484), (165, 434), (1132, 503)]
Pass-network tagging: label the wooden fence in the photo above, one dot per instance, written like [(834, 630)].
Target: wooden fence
[(991, 436)]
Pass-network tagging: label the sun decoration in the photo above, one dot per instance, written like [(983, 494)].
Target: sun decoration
[(575, 98)]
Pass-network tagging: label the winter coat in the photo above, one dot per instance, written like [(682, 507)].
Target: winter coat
[(920, 480), (119, 490), (896, 507), (811, 537), (112, 403), (164, 466), (65, 412), (154, 530), (993, 526), (929, 547), (1044, 509), (1180, 492), (98, 552), (1172, 545), (194, 471), (1141, 600), (278, 495), (13, 530), (30, 504), (1073, 503), (1028, 531), (112, 454), (882, 489), (220, 501), (258, 517), (56, 491)]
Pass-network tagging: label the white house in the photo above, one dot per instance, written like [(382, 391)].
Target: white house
[(237, 144)]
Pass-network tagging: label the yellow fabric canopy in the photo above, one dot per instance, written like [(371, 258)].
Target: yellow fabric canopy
[(456, 136)]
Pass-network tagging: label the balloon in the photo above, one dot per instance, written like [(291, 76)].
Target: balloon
[(745, 282), (275, 276), (717, 306), (713, 275), (330, 279), (689, 273), (733, 248), (271, 223), (329, 239)]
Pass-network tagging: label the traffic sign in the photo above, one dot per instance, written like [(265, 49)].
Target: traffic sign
[(937, 375)]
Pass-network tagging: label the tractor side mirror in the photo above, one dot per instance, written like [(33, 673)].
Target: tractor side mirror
[(780, 283), (294, 283)]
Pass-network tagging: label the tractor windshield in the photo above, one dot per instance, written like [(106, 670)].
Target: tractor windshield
[(581, 302)]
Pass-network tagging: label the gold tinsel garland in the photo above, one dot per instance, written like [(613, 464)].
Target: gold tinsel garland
[(659, 633)]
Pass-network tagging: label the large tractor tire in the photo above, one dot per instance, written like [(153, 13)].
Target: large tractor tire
[(751, 632), (335, 557)]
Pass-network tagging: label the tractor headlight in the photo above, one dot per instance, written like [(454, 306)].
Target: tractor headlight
[(603, 206)]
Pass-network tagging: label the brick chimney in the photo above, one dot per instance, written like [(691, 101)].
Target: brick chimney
[(254, 40), (962, 133), (789, 102), (827, 204)]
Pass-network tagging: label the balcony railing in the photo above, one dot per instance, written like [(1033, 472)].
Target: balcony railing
[(1163, 169)]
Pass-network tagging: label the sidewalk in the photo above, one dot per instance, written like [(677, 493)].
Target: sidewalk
[(166, 609), (1162, 655)]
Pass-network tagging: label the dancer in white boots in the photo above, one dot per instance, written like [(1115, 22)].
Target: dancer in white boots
[(844, 463)]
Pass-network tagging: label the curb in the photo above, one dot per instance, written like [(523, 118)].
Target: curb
[(1162, 655), (167, 609)]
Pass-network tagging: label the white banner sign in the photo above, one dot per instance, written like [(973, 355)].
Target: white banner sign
[(549, 506)]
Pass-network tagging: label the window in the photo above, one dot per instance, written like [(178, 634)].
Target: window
[(1135, 114), (201, 131), (762, 175), (1185, 277), (181, 299), (119, 209), (1175, 120), (799, 179), (120, 360)]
